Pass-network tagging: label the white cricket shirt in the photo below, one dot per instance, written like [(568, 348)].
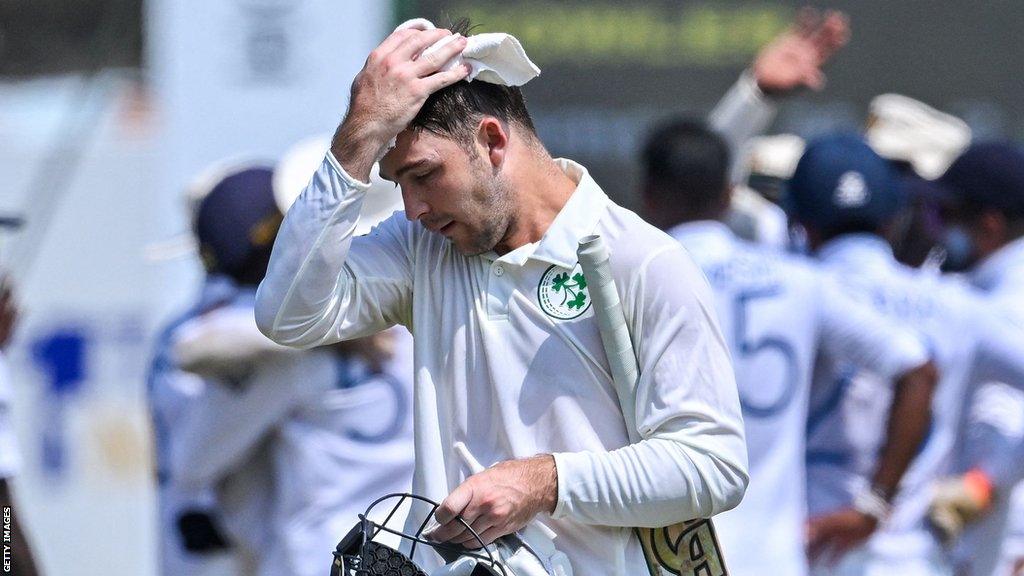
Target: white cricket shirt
[(777, 312), (509, 360), (967, 340), (999, 537)]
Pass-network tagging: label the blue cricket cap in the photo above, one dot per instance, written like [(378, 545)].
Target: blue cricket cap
[(840, 182), (988, 175), (236, 223)]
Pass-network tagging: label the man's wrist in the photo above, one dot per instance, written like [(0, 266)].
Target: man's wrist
[(874, 503), (357, 147), (547, 476), (754, 85)]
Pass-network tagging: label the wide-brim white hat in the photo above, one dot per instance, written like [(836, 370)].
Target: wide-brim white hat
[(905, 129)]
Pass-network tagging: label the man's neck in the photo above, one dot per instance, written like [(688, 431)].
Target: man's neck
[(539, 192)]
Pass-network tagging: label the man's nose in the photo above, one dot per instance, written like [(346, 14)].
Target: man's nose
[(414, 207)]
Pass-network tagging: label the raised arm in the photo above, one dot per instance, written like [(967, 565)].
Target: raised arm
[(792, 61), (322, 285)]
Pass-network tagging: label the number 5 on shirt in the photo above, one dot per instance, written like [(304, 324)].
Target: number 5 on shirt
[(748, 346)]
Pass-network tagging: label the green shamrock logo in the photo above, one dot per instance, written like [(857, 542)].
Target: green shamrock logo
[(563, 293), (578, 301), (573, 295)]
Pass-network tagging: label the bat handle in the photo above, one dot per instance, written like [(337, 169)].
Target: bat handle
[(471, 463)]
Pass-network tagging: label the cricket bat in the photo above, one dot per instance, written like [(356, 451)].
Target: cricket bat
[(686, 549)]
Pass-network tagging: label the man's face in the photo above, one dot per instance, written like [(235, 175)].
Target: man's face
[(453, 191)]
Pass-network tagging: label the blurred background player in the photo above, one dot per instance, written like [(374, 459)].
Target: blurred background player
[(985, 240), (920, 142), (193, 516), (847, 197), (22, 561), (777, 312), (334, 423)]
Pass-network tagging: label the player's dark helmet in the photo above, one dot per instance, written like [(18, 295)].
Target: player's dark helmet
[(360, 554)]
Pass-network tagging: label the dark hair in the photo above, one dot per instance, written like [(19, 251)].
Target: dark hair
[(685, 163), (456, 110)]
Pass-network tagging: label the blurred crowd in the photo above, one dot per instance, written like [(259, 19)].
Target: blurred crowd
[(870, 286)]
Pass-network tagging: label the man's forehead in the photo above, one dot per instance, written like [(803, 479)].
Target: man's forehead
[(412, 148)]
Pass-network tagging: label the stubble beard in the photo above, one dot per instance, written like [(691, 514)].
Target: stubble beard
[(496, 219)]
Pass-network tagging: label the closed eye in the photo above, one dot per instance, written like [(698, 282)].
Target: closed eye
[(426, 175)]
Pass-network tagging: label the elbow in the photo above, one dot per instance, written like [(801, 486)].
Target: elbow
[(280, 329), (266, 310), (725, 474), (718, 479), (733, 482)]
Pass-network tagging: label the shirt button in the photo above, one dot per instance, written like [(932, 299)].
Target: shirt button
[(498, 270)]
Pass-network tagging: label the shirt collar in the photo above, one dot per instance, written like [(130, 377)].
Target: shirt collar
[(578, 218), (1000, 264), (857, 250)]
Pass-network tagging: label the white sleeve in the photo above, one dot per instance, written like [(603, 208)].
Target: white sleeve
[(995, 433), (744, 112), (225, 425), (999, 354), (854, 331), (692, 460), (999, 361), (225, 340), (323, 285)]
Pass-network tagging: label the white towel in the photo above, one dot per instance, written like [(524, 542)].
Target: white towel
[(496, 58)]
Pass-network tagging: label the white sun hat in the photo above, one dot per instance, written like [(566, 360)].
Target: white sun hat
[(774, 156), (295, 169), (901, 128)]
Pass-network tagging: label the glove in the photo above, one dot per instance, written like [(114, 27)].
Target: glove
[(958, 501)]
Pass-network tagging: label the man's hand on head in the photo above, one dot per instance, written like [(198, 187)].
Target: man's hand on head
[(497, 501), (795, 58), (389, 91)]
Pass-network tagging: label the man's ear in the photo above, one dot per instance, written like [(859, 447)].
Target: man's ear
[(492, 140)]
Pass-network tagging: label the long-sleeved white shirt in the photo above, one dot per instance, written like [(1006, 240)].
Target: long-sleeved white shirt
[(998, 538), (509, 360), (969, 342), (781, 312)]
